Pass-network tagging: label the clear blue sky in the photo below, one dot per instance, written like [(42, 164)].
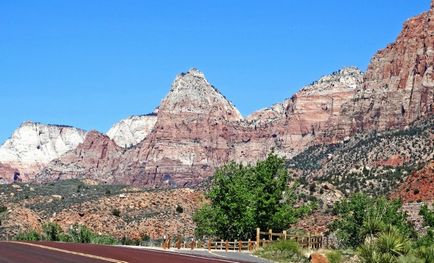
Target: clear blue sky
[(90, 63)]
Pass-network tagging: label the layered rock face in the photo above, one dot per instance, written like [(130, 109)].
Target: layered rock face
[(131, 131), (95, 158), (189, 139), (399, 83), (33, 145), (198, 129), (312, 115)]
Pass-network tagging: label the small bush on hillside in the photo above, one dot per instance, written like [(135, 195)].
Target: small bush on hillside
[(179, 209), (116, 212), (3, 209), (29, 235), (283, 251)]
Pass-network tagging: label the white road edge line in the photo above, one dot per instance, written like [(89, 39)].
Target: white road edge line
[(69, 252)]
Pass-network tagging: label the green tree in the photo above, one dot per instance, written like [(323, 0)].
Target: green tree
[(362, 216), (246, 197)]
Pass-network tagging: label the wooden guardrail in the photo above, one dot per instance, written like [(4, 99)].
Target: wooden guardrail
[(306, 241)]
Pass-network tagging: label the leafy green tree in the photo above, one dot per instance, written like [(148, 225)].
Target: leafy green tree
[(362, 216), (246, 197)]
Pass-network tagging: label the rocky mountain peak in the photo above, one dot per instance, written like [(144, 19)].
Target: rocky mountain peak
[(191, 93)]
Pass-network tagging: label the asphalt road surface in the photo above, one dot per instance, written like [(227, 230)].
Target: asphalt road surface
[(50, 252)]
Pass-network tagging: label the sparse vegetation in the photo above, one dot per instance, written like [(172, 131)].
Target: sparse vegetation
[(77, 234), (362, 216), (283, 251)]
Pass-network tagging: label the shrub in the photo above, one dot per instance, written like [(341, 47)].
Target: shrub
[(334, 256), (80, 234), (3, 209), (283, 251), (362, 216), (116, 212), (103, 239), (179, 209), (52, 231), (29, 235), (388, 247)]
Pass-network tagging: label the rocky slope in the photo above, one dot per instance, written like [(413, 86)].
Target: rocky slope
[(418, 186), (375, 163), (141, 213), (129, 132), (33, 145)]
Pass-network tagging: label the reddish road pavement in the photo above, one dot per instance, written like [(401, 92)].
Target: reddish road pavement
[(22, 253), (89, 253)]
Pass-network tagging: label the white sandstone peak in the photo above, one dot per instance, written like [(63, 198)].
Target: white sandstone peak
[(36, 143), (132, 130)]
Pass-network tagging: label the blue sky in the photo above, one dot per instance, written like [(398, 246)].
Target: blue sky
[(90, 63)]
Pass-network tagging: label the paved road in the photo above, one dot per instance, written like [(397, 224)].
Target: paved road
[(131, 255), (23, 253)]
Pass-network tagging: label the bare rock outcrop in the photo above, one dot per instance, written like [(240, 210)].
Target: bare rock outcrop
[(129, 132), (95, 158), (33, 145)]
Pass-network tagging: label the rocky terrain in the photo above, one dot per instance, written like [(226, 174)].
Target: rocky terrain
[(33, 145), (129, 132), (375, 163), (131, 212), (354, 130), (418, 186)]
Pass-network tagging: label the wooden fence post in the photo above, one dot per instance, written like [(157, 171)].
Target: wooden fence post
[(240, 245), (270, 233), (192, 244), (250, 245), (258, 230), (235, 245), (227, 245), (209, 244), (284, 234)]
